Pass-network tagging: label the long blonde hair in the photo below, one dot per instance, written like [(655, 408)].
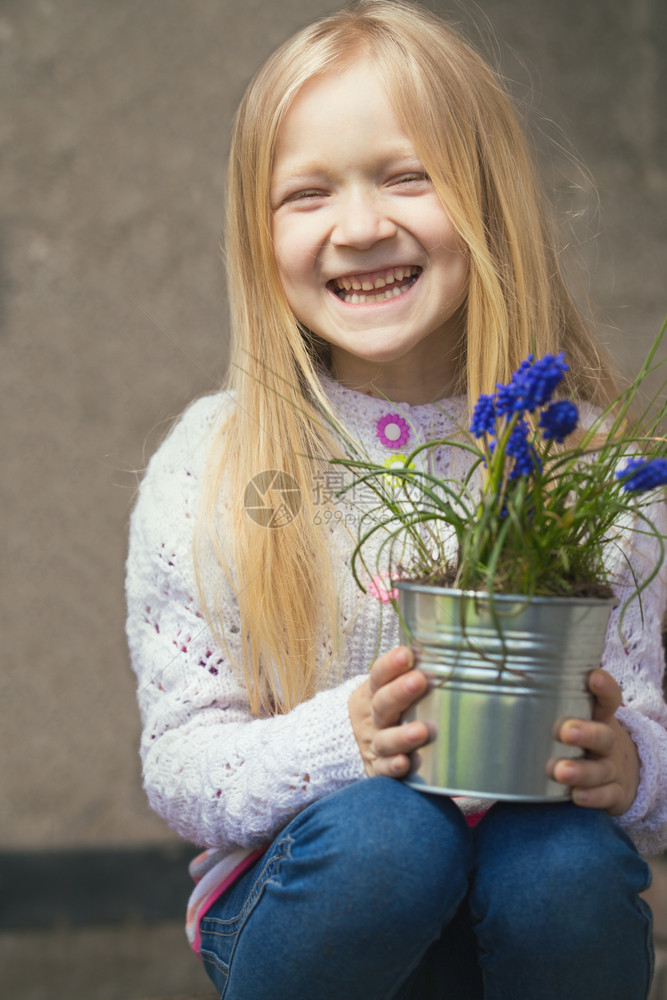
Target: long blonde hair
[(465, 130)]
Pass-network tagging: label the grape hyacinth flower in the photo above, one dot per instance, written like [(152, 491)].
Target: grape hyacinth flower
[(484, 417), (644, 475), (559, 420), (518, 448), (532, 384), (505, 398)]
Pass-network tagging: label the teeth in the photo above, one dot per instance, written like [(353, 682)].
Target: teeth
[(365, 284), (389, 293)]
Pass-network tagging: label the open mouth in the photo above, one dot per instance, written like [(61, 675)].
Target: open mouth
[(378, 286)]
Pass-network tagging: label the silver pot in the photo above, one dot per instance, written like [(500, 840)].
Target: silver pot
[(502, 675)]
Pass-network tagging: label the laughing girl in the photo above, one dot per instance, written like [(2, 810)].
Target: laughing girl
[(388, 260)]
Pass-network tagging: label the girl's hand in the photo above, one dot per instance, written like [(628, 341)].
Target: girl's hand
[(376, 707), (608, 777)]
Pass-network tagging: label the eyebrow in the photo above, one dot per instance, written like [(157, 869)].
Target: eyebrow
[(295, 169)]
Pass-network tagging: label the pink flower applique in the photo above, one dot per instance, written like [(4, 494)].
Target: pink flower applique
[(393, 430), (377, 588)]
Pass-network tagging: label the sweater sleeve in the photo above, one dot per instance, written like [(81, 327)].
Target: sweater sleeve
[(634, 655), (217, 774)]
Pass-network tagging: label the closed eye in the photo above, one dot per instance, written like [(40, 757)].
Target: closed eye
[(410, 178), (305, 195), (299, 197)]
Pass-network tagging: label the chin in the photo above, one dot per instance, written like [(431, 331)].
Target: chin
[(384, 354)]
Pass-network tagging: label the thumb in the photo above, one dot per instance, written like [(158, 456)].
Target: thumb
[(608, 695)]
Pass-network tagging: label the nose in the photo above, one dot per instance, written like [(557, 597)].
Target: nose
[(361, 221)]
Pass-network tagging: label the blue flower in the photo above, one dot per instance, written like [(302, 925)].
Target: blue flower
[(506, 399), (532, 384), (483, 417), (644, 475), (559, 420), (523, 453)]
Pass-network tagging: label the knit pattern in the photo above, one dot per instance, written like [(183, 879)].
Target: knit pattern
[(223, 778)]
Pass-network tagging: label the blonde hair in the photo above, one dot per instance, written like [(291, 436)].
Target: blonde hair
[(465, 131)]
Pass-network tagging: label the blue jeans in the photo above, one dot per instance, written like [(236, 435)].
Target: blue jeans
[(379, 891)]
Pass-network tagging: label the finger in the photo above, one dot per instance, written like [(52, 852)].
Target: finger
[(390, 701), (593, 784), (585, 773), (389, 666), (605, 797), (392, 767), (593, 737), (607, 693), (400, 739)]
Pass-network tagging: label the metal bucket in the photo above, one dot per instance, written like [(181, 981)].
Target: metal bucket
[(501, 677)]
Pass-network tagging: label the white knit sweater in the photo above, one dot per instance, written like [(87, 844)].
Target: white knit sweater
[(223, 778)]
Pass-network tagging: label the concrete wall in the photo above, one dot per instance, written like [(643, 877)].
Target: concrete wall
[(112, 148)]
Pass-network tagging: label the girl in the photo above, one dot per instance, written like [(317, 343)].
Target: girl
[(387, 250)]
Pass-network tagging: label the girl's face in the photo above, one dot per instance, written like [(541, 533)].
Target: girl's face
[(367, 256)]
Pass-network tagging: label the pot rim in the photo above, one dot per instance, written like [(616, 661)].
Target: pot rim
[(484, 595)]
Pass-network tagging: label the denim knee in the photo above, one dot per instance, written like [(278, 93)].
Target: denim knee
[(356, 889), (545, 856), (393, 844), (557, 889)]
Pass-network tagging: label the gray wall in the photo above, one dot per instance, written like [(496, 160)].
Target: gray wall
[(112, 310)]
